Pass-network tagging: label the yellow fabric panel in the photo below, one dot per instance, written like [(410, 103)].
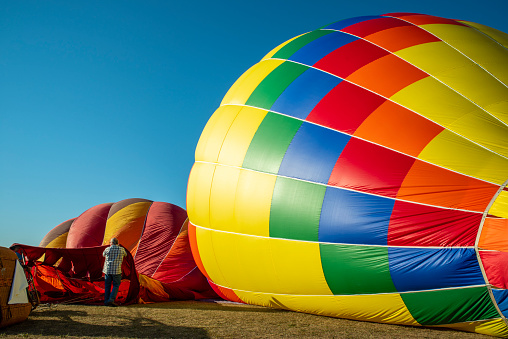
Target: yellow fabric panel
[(298, 267), (476, 45), (222, 198), (276, 49), (253, 202), (240, 135), (500, 206), (207, 254), (495, 327), (450, 151), (440, 104), (212, 137), (266, 265), (383, 308), (198, 193), (461, 74), (59, 242), (495, 34), (435, 101), (245, 85), (126, 221)]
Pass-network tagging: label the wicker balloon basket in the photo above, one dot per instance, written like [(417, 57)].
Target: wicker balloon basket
[(13, 313)]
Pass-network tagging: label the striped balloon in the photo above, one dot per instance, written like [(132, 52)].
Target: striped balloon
[(359, 171), (155, 233)]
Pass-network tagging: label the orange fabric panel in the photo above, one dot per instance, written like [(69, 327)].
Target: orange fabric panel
[(494, 234), (151, 290), (397, 38), (225, 293), (437, 186), (398, 128), (128, 236), (194, 249), (387, 75)]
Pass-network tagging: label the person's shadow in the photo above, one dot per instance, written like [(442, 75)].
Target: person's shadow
[(62, 324)]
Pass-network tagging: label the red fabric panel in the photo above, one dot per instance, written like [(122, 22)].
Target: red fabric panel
[(152, 290), (163, 224), (74, 269), (370, 168), (423, 19), (434, 185), (364, 28), (348, 58), (178, 262), (421, 225), (56, 231), (495, 265), (88, 229), (345, 107)]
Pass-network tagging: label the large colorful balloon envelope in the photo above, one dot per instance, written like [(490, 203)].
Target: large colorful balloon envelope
[(156, 235), (359, 171)]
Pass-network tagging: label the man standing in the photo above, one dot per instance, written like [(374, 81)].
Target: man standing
[(114, 255)]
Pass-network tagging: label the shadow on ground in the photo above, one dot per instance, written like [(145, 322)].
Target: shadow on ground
[(66, 323)]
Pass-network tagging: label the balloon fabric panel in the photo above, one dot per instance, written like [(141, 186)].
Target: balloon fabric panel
[(88, 229), (298, 99), (350, 217), (501, 297), (414, 269), (351, 269), (495, 264), (423, 225), (309, 147), (345, 107), (370, 168), (397, 128), (270, 143), (315, 50), (450, 306)]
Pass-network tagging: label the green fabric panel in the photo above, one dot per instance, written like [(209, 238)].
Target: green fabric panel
[(353, 269), (450, 306), (270, 143), (293, 46), (274, 84), (295, 209)]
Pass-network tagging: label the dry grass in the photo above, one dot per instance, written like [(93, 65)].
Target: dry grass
[(194, 319)]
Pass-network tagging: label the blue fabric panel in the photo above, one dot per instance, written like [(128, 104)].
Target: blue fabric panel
[(303, 94), (354, 218), (501, 297), (312, 153), (348, 22), (416, 269), (317, 49)]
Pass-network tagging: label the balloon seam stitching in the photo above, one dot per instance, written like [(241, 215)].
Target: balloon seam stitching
[(341, 188), (332, 243)]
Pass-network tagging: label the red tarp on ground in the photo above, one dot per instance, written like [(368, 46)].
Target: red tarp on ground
[(75, 275)]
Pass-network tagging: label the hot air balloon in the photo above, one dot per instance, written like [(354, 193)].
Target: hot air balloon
[(359, 171), (155, 234)]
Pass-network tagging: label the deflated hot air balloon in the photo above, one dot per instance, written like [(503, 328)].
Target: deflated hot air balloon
[(155, 233), (359, 171)]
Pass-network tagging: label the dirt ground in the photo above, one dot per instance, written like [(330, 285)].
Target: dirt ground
[(203, 319)]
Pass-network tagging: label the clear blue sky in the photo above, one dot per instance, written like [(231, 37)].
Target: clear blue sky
[(102, 101)]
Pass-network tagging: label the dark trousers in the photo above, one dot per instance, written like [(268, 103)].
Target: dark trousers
[(111, 279)]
